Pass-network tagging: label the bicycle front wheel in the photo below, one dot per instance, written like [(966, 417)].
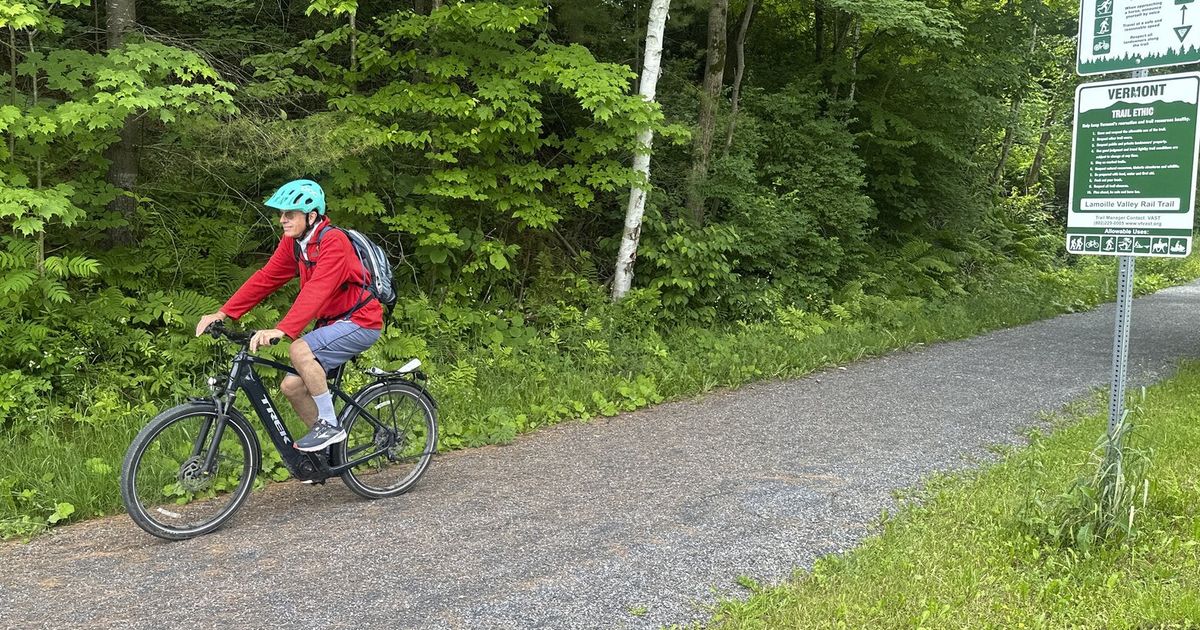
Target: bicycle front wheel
[(171, 485), (394, 439)]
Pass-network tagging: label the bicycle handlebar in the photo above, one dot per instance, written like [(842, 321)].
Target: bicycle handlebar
[(217, 329)]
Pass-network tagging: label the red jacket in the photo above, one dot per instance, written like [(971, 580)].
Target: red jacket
[(328, 288)]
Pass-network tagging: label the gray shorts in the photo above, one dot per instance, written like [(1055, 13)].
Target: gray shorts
[(339, 342)]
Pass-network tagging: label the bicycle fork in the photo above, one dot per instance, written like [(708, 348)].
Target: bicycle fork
[(216, 424)]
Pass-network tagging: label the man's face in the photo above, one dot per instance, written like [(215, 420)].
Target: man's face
[(293, 222)]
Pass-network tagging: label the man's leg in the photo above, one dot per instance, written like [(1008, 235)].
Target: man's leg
[(315, 400), (294, 389), (312, 375), (298, 389)]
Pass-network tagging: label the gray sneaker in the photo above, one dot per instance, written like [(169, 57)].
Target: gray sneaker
[(322, 434)]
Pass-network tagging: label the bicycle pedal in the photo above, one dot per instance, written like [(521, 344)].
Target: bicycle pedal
[(313, 481)]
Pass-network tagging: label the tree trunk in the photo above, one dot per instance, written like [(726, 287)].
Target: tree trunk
[(99, 45), (40, 252), (714, 80), (842, 28), (12, 66), (623, 278), (740, 49), (1035, 168), (1014, 119), (855, 42), (1010, 134), (818, 32), (353, 43), (120, 19), (637, 24)]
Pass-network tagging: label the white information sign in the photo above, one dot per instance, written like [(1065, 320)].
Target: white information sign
[(1133, 166), (1119, 35)]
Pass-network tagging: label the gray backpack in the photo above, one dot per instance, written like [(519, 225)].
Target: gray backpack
[(380, 283)]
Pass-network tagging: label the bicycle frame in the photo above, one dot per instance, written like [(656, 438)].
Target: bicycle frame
[(243, 377)]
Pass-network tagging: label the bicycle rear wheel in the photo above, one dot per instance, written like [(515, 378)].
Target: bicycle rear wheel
[(164, 481), (398, 439)]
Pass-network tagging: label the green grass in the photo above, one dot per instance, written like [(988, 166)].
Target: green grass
[(602, 366), (959, 555)]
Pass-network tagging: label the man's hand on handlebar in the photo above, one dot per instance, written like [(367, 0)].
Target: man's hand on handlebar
[(254, 339), (208, 320), (267, 337)]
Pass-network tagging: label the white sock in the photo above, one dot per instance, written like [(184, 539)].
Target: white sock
[(325, 408)]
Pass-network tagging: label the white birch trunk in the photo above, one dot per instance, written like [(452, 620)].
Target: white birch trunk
[(641, 161)]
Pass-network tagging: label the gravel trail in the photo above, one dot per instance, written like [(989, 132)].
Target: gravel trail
[(634, 521)]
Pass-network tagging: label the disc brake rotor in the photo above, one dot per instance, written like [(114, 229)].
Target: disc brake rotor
[(192, 477)]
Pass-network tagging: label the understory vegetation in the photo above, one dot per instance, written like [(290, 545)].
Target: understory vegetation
[(596, 361), (981, 549)]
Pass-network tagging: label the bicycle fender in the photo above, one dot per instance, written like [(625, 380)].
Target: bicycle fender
[(362, 393)]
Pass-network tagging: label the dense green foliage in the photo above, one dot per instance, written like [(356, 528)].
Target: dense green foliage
[(882, 164), (961, 554)]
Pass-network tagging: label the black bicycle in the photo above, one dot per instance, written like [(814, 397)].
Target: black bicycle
[(193, 465)]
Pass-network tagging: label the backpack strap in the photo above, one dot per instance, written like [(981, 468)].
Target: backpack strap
[(300, 258), (363, 302), (366, 285)]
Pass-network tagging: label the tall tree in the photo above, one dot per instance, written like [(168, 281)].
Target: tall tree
[(121, 18), (1035, 167), (855, 55), (710, 98), (738, 73), (1060, 82), (623, 277), (1014, 117)]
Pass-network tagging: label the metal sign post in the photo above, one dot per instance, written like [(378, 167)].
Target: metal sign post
[(1133, 182), (1120, 355)]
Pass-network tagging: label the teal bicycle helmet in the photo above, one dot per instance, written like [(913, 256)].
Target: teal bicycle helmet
[(299, 194)]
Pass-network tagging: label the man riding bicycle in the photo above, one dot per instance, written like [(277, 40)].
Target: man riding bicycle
[(333, 291)]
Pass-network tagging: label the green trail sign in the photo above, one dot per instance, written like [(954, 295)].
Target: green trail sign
[(1133, 167), (1135, 34)]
